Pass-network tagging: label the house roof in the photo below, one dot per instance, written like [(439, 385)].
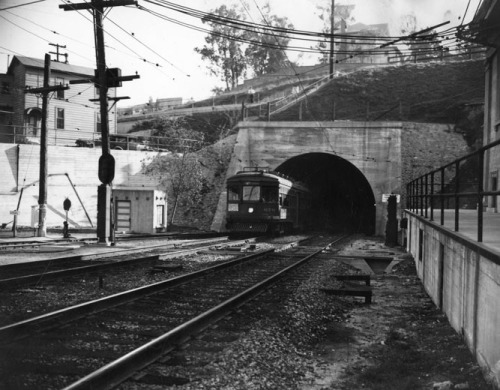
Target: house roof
[(55, 66), (484, 28)]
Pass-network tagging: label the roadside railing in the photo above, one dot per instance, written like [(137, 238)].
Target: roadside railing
[(75, 138), (455, 186), (31, 135), (297, 95)]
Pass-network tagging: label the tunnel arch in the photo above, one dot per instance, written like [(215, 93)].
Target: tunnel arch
[(343, 199)]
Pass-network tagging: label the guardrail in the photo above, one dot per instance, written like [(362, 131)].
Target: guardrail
[(457, 185), (296, 96), (75, 138)]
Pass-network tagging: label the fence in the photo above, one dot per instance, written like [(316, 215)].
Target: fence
[(459, 184), (31, 135), (75, 138)]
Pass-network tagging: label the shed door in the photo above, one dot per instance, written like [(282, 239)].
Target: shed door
[(123, 215)]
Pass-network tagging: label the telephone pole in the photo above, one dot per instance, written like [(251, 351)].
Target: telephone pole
[(57, 46), (332, 27), (102, 80), (42, 193)]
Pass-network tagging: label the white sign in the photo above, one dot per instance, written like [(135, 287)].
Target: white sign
[(14, 212), (385, 197)]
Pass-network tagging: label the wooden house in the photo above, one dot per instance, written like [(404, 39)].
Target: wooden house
[(71, 114)]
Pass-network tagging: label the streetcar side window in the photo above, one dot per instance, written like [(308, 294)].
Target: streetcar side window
[(233, 194), (286, 200), (251, 193), (269, 195)]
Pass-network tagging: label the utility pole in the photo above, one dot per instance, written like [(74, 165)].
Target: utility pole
[(332, 26), (42, 193), (103, 79), (59, 54)]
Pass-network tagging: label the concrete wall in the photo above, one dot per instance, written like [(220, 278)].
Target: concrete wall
[(66, 166), (461, 277)]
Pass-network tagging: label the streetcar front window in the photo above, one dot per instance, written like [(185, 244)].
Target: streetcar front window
[(251, 193), (233, 194)]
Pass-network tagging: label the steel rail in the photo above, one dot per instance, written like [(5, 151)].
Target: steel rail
[(22, 329), (123, 368), (29, 280), (93, 268), (113, 253), (29, 242)]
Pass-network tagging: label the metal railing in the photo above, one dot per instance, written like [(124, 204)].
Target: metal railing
[(297, 95), (76, 138), (454, 186)]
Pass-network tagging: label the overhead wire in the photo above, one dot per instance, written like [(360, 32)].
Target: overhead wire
[(138, 56), (418, 40)]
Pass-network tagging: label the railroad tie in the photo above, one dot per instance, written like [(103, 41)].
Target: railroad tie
[(352, 289)]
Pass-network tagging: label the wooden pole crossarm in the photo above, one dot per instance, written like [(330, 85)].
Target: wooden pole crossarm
[(84, 81), (46, 89), (102, 3)]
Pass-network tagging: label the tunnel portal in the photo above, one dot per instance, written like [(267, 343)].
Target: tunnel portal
[(342, 199)]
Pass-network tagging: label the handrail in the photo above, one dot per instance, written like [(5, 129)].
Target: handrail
[(421, 194), (295, 97)]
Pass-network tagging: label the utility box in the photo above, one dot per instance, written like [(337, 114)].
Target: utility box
[(139, 210)]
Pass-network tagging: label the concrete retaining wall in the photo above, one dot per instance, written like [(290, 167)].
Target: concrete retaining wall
[(72, 174), (462, 278)]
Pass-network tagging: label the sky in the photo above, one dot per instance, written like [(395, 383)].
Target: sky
[(162, 52)]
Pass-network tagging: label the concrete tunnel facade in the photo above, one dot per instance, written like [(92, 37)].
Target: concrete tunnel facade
[(349, 167)]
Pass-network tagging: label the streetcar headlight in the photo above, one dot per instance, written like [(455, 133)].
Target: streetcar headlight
[(250, 210)]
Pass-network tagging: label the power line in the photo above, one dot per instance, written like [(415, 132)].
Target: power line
[(21, 5)]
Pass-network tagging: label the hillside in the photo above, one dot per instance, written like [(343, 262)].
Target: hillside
[(423, 92)]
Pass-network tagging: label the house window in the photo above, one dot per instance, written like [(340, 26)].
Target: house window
[(59, 118), (98, 122), (60, 92), (5, 88)]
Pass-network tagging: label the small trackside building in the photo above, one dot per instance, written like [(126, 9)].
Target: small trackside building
[(139, 210)]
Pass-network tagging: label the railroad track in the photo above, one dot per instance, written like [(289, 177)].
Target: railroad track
[(43, 271), (115, 337), (30, 243)]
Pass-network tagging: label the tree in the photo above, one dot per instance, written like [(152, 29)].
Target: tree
[(223, 49), (408, 24), (341, 14), (425, 46), (181, 175), (267, 54)]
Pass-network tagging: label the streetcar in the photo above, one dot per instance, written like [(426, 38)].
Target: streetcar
[(266, 202)]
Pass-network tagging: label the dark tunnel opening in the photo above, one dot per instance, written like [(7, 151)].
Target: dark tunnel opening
[(342, 199)]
